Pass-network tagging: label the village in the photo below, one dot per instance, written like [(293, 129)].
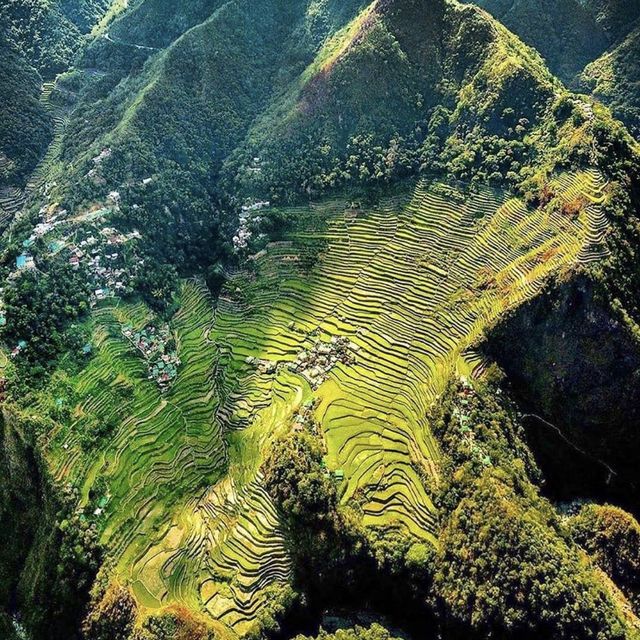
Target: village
[(316, 363), (87, 242), (95, 246), (157, 346), (248, 220)]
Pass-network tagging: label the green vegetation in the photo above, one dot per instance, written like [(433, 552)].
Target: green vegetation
[(21, 111), (503, 564), (50, 552), (38, 308), (557, 360), (374, 632), (614, 78), (6, 628), (612, 537), (428, 109), (567, 33), (139, 455), (592, 45), (113, 618), (48, 33), (328, 550)]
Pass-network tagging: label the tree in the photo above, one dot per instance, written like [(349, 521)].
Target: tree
[(113, 617), (504, 569), (374, 632), (612, 537)]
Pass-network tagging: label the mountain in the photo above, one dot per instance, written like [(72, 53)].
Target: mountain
[(570, 33), (22, 110), (48, 32), (614, 78), (590, 44), (567, 33), (38, 39), (615, 16), (303, 315)]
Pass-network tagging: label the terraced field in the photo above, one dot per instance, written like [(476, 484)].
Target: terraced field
[(178, 528), (410, 285), (14, 199)]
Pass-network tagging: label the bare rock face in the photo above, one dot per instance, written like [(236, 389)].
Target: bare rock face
[(575, 367)]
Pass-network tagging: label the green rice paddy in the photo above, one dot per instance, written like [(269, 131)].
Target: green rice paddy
[(412, 283)]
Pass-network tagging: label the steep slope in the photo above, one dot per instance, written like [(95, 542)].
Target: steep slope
[(185, 516), (179, 117), (614, 78), (332, 127), (49, 33), (567, 33), (313, 124), (37, 39), (575, 372), (591, 45), (570, 33), (22, 111), (615, 16)]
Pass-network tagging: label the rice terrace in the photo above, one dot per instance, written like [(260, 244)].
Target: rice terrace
[(412, 283)]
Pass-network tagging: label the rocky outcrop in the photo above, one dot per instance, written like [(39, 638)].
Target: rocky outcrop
[(575, 367)]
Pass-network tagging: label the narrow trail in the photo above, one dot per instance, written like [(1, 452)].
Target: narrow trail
[(574, 446), (108, 37)]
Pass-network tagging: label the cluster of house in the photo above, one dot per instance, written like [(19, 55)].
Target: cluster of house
[(313, 364), (255, 166), (247, 220), (100, 252), (51, 216), (158, 349), (3, 323), (90, 244), (18, 349), (94, 172), (25, 261), (462, 412), (102, 504), (263, 366), (304, 418), (316, 363), (256, 206)]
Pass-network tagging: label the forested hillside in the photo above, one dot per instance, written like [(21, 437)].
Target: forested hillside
[(48, 32), (38, 40), (590, 44), (22, 111), (567, 33), (303, 317), (570, 33), (614, 78)]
